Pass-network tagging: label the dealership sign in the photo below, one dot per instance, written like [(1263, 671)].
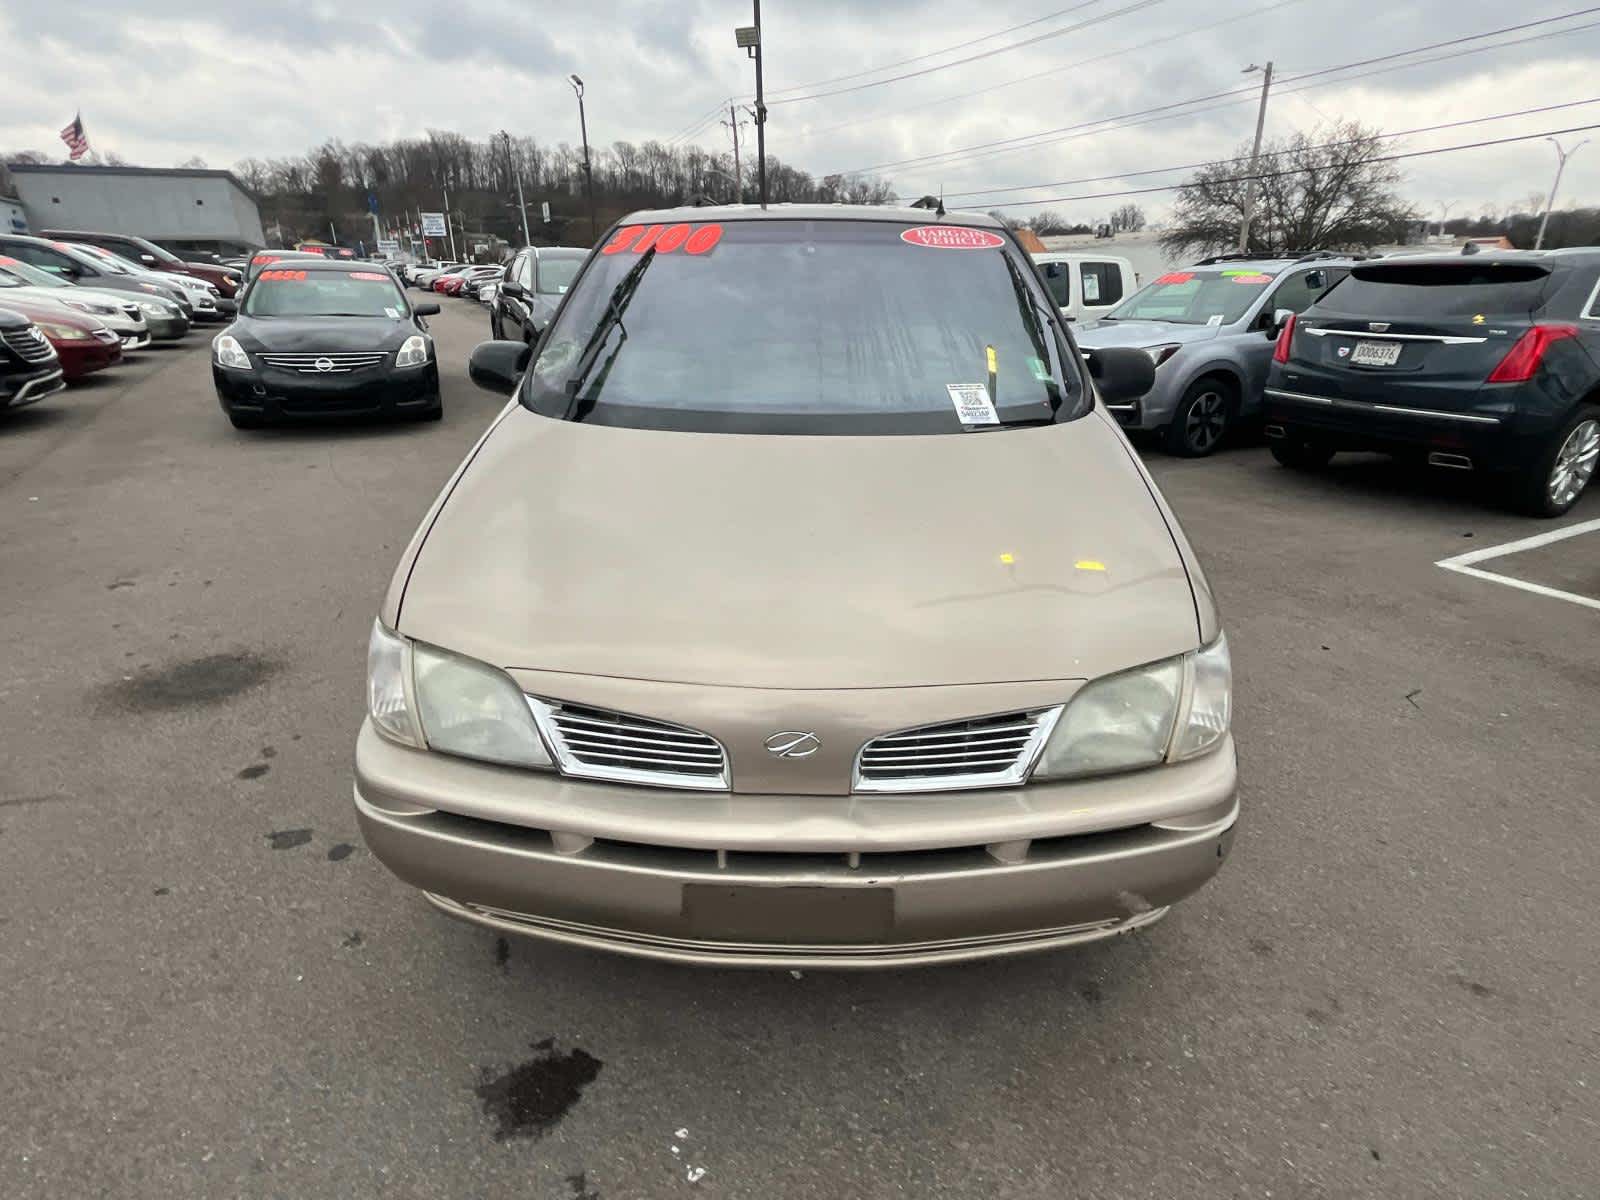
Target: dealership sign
[(433, 224)]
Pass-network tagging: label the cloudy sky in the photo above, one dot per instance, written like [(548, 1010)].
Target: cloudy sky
[(159, 81)]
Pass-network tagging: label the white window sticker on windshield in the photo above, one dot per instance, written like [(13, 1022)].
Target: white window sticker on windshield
[(1091, 287), (1214, 319), (972, 402), (392, 313)]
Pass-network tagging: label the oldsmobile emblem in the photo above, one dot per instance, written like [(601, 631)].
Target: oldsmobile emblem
[(793, 744)]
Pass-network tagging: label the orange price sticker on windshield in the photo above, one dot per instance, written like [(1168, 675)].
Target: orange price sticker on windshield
[(375, 276), (1251, 278), (283, 275), (1176, 277), (664, 239)]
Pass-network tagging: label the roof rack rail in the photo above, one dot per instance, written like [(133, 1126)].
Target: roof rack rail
[(1222, 258)]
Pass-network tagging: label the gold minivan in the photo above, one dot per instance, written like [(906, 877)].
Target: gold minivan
[(804, 607)]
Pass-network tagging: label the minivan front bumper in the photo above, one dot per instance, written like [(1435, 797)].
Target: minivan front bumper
[(796, 881)]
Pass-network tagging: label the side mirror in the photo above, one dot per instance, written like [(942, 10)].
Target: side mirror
[(147, 258), (426, 310), (1121, 373), (510, 287), (498, 366), (1280, 318)]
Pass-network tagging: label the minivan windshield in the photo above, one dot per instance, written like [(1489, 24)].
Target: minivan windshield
[(1193, 297), (288, 292), (808, 327)]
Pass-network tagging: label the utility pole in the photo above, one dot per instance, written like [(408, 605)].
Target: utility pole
[(522, 205), (1255, 157), (733, 124), (449, 226), (748, 38), (1561, 165), (588, 169)]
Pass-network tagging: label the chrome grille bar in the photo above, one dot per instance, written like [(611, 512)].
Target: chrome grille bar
[(594, 743), (994, 751)]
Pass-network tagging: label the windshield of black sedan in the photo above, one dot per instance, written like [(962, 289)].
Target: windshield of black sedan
[(289, 292), (812, 327), (1212, 297)]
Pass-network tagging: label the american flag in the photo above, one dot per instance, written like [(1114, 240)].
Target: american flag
[(73, 136)]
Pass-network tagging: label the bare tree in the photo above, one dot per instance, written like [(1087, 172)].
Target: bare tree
[(1127, 219), (1325, 189)]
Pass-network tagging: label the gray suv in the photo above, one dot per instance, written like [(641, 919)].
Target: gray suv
[(1209, 329)]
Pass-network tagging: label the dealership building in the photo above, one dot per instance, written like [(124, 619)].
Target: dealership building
[(184, 210)]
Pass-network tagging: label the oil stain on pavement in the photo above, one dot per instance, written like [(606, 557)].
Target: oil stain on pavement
[(529, 1100), (192, 683), (288, 839)]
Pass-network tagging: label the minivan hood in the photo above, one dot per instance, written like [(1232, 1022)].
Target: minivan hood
[(798, 562), (1094, 335)]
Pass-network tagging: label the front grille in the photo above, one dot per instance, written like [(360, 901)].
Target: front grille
[(595, 743), (981, 752), (106, 336), (131, 311), (337, 363), (28, 344)]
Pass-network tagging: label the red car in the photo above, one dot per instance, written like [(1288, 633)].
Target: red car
[(450, 285), (82, 343)]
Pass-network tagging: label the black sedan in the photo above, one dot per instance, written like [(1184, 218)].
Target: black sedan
[(535, 280), (1474, 363), (318, 338)]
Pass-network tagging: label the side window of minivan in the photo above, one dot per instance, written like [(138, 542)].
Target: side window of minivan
[(1058, 278), (1300, 291), (1102, 283)]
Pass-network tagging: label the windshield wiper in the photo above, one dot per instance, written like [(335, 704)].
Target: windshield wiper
[(621, 297)]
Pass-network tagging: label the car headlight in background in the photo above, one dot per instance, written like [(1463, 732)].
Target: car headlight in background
[(156, 308), (1164, 712), (86, 306), (1160, 354), (64, 333), (229, 353), (413, 352), (462, 706)]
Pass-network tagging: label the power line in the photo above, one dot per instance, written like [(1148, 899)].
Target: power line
[(690, 130), (1172, 187), (1249, 90), (1270, 154), (1250, 14), (1054, 33), (1060, 12)]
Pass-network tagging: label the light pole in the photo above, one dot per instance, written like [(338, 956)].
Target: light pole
[(588, 170), (522, 204), (748, 38), (1255, 155), (1561, 165)]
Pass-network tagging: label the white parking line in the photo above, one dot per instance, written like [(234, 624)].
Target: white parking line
[(1462, 563)]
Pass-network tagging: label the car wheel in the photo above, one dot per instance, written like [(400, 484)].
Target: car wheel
[(436, 413), (1296, 452), (1202, 419), (245, 421), (1552, 484)]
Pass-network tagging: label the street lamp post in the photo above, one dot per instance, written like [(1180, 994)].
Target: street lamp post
[(1561, 165), (588, 169), (522, 204), (1255, 156), (748, 38)]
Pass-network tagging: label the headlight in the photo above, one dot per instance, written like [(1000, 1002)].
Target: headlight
[(1167, 711), (157, 309), (87, 307), (229, 353), (64, 333), (1160, 354), (413, 353), (462, 706)]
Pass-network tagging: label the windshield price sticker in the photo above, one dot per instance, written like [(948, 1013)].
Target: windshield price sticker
[(1177, 277), (374, 276), (1250, 278), (952, 237), (666, 239), (392, 313), (973, 406), (283, 275)]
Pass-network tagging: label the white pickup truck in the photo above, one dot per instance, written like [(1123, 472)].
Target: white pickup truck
[(1086, 286)]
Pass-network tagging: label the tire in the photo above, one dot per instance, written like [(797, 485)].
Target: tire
[(1294, 451), (245, 421), (435, 413), (1203, 418), (1551, 484)]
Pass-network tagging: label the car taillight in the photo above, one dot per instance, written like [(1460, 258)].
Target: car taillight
[(1522, 361), (1280, 352)]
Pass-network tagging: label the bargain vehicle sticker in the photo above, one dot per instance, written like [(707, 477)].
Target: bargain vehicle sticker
[(1250, 278), (374, 276), (952, 237), (283, 275), (664, 239)]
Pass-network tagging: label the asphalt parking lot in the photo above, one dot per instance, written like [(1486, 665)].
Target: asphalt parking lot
[(212, 989)]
